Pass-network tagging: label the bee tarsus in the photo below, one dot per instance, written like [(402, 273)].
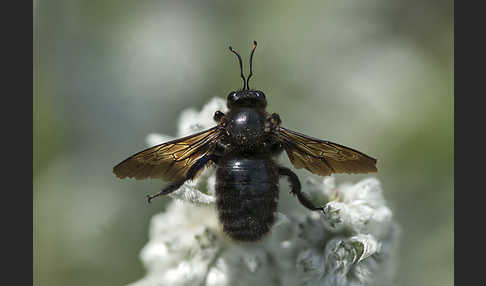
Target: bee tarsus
[(295, 189), (191, 174)]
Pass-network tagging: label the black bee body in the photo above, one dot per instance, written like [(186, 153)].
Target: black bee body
[(246, 176), (242, 146)]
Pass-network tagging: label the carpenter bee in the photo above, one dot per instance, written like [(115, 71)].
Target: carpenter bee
[(243, 146)]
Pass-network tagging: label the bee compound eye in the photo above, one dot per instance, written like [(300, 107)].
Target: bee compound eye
[(232, 96), (257, 94)]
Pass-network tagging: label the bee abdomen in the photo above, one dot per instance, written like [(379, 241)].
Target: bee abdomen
[(247, 195)]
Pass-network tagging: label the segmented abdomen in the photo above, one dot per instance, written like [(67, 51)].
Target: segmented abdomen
[(247, 195)]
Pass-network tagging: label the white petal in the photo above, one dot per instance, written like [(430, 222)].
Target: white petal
[(155, 139)]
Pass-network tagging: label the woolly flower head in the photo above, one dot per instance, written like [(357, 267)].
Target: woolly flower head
[(353, 242)]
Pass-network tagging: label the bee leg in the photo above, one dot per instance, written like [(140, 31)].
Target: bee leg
[(275, 118), (218, 115), (191, 173), (272, 122), (296, 187), (219, 149), (167, 190)]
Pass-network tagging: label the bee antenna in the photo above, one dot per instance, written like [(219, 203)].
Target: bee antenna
[(251, 64), (241, 65)]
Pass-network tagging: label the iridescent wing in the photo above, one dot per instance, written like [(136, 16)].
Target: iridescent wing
[(169, 161), (324, 157)]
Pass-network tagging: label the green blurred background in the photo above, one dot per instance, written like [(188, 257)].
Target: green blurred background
[(374, 75)]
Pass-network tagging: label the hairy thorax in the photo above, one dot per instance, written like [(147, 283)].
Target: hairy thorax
[(246, 129)]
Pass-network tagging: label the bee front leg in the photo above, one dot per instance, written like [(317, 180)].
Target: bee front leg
[(191, 173), (296, 189), (218, 116), (272, 122), (275, 118)]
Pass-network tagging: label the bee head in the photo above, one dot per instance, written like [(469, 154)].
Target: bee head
[(247, 98)]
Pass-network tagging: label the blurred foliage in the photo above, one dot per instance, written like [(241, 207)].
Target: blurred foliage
[(373, 75)]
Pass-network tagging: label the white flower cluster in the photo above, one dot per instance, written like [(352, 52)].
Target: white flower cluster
[(353, 242)]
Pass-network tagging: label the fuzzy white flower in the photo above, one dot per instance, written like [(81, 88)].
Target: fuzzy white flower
[(353, 242)]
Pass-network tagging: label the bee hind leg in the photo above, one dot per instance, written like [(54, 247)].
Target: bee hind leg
[(191, 173), (296, 189)]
